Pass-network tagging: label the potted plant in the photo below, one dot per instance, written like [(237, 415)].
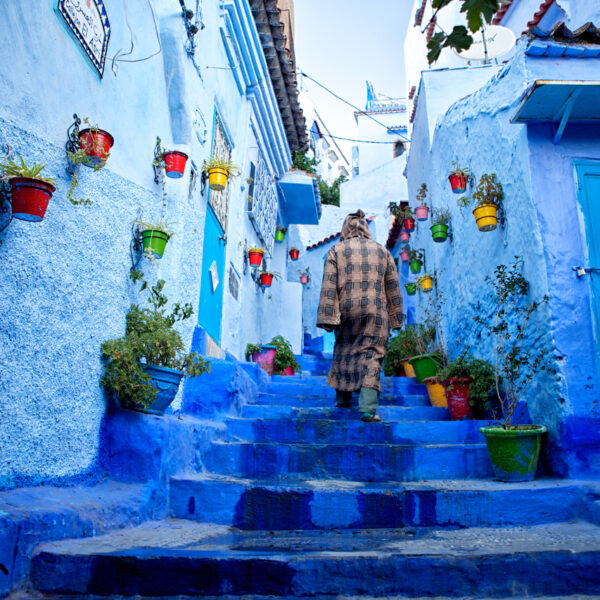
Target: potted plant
[(405, 254), (30, 193), (304, 275), (489, 196), (415, 261), (422, 211), (276, 357), (255, 256), (439, 228), (175, 162), (404, 345), (411, 288), (425, 282), (143, 368), (408, 221), (404, 236), (262, 355), (458, 178), (280, 233), (154, 238), (456, 377), (513, 448), (294, 253), (219, 170), (266, 278), (436, 392)]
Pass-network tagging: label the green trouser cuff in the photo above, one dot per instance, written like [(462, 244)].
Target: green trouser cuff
[(367, 400)]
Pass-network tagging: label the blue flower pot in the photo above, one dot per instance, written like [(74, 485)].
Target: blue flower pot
[(166, 381)]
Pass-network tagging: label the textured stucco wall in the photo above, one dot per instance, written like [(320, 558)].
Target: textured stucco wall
[(476, 131)]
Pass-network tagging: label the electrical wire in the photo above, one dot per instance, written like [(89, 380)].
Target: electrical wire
[(360, 110), (337, 137)]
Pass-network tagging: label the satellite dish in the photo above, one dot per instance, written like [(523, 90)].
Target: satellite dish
[(489, 42)]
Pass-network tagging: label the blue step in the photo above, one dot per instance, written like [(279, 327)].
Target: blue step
[(387, 413), (299, 387), (260, 505), (322, 431), (328, 400), (361, 462), (169, 558)]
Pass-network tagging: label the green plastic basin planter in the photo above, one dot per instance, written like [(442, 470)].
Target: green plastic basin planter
[(439, 232), (415, 266), (426, 365), (514, 452), (154, 242), (411, 288)]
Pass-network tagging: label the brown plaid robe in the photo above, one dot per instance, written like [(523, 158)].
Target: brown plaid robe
[(360, 300)]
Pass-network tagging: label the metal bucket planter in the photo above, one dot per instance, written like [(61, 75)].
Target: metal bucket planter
[(422, 212), (154, 242), (411, 288), (96, 144), (175, 163), (426, 365), (30, 198), (439, 232), (486, 217), (457, 394), (265, 358), (166, 382), (458, 183), (514, 452), (217, 178), (436, 392), (415, 266)]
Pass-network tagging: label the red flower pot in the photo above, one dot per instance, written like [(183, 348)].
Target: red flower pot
[(457, 394), (175, 163), (409, 224), (265, 359), (96, 144), (255, 258), (405, 255), (458, 183), (405, 236), (266, 279), (422, 212), (294, 254), (288, 371), (30, 198), (303, 278)]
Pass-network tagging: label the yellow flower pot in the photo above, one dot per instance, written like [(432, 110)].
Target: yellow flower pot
[(408, 369), (426, 284), (486, 216), (436, 391), (217, 179)]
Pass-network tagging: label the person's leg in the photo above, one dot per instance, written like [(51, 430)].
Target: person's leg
[(367, 404), (342, 399)]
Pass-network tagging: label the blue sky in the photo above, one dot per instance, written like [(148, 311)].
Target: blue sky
[(343, 43)]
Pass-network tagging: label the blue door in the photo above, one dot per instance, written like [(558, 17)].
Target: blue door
[(588, 178)]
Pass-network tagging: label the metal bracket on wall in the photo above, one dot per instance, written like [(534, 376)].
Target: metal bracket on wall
[(190, 28), (583, 271), (450, 231), (203, 182), (158, 161), (501, 216), (6, 215), (72, 146), (136, 248)]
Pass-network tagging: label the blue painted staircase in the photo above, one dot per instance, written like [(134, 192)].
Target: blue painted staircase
[(300, 499)]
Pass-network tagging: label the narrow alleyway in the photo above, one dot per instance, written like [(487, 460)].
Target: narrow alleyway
[(303, 499)]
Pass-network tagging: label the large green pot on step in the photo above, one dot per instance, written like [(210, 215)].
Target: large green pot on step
[(514, 452), (439, 232), (426, 365)]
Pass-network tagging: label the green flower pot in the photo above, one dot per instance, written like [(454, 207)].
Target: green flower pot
[(439, 233), (279, 236), (411, 288), (154, 242), (514, 452), (415, 266), (426, 365)]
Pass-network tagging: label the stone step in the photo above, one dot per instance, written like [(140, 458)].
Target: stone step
[(184, 557), (295, 387), (333, 504), (389, 382), (324, 431), (328, 400), (360, 462), (387, 413)]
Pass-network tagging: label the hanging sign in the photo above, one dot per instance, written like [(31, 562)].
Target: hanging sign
[(88, 21), (214, 276)]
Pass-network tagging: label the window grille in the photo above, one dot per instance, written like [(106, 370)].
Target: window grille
[(219, 201), (263, 213)]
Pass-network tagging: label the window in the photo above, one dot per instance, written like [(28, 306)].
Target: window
[(219, 201)]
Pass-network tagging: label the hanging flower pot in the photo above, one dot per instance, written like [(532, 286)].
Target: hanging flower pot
[(486, 216), (415, 265), (304, 278), (217, 179), (426, 283), (514, 452), (96, 144), (175, 163), (409, 224), (294, 253), (457, 394), (439, 232), (458, 182), (30, 198), (405, 255), (266, 279), (411, 288), (279, 236), (219, 170), (154, 242), (422, 212), (404, 236), (255, 256), (436, 392)]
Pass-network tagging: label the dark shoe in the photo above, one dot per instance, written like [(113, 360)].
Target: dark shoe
[(370, 418)]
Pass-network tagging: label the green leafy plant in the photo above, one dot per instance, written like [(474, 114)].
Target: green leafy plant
[(489, 190), (282, 229), (10, 169), (252, 349), (440, 216), (395, 210), (155, 226), (284, 356), (150, 339), (422, 194), (214, 162), (330, 194), (256, 249), (516, 359), (416, 254), (303, 163), (458, 170), (159, 162), (407, 212), (411, 340)]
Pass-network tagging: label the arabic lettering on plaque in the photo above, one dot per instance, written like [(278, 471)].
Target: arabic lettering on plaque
[(88, 21)]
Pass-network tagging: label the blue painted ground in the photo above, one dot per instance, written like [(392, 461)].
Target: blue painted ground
[(295, 498)]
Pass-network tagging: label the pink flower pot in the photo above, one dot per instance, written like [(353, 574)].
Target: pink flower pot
[(405, 236), (422, 213), (405, 255), (265, 358)]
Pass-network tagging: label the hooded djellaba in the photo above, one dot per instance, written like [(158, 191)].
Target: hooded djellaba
[(360, 300)]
